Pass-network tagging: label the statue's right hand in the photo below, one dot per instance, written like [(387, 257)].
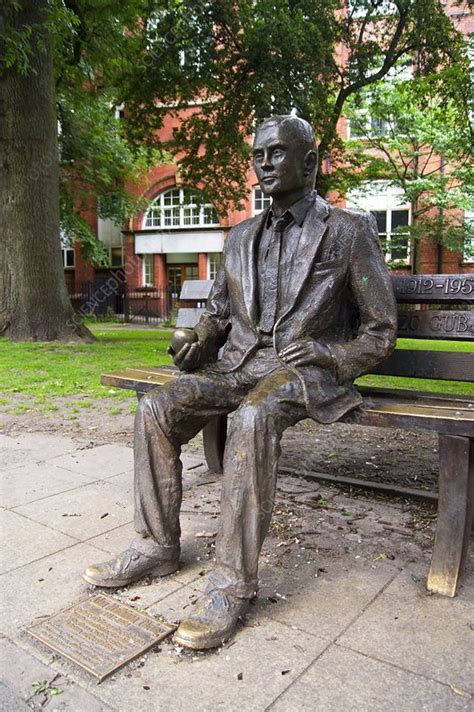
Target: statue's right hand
[(188, 357)]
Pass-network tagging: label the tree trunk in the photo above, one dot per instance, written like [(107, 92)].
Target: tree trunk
[(35, 305)]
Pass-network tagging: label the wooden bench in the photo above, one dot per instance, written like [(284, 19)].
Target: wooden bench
[(450, 317)]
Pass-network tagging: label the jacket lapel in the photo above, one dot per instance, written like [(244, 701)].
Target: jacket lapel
[(313, 230), (248, 258)]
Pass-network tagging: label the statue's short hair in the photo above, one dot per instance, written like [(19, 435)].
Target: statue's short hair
[(298, 126)]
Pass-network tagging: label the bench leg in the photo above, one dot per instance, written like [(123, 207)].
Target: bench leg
[(214, 435), (455, 509)]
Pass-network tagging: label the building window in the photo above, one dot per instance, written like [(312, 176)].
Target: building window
[(395, 241), (148, 275), (363, 125), (213, 264), (116, 256), (109, 232), (388, 204), (178, 208), (69, 257), (67, 250), (192, 272), (260, 201)]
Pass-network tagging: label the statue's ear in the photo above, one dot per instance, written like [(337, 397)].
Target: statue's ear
[(310, 161)]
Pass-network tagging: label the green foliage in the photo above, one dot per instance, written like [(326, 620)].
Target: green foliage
[(93, 44), (229, 65), (44, 373), (244, 61), (417, 135)]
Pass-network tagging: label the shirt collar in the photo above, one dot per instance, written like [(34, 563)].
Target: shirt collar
[(297, 211)]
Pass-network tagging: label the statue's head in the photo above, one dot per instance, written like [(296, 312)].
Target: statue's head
[(285, 156)]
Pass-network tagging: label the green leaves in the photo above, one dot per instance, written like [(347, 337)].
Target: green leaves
[(424, 148), (218, 68)]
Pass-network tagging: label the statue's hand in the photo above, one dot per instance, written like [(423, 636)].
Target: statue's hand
[(307, 352), (188, 357)]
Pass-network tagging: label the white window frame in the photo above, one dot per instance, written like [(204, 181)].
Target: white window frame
[(174, 205), (148, 270), (380, 196), (258, 197), (213, 264), (65, 250), (67, 245)]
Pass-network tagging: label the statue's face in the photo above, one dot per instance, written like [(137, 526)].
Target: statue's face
[(279, 160)]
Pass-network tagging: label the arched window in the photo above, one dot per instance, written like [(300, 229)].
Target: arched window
[(180, 208)]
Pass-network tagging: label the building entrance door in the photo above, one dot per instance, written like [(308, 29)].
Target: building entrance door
[(177, 274)]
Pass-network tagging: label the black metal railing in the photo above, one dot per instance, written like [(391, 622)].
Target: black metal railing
[(112, 297)]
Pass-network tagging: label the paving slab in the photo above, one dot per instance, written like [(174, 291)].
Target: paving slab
[(324, 587), (175, 607), (147, 592), (427, 634), (20, 670), (101, 461), (114, 540), (248, 675), (27, 483), (84, 512), (345, 681), (24, 541), (21, 449), (325, 605), (44, 587)]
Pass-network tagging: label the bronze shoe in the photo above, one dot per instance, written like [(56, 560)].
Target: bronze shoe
[(213, 620), (127, 567)]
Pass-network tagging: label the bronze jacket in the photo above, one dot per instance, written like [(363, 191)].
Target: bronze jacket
[(341, 295)]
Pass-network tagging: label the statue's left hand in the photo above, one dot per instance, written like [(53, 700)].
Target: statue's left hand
[(307, 352), (188, 357)]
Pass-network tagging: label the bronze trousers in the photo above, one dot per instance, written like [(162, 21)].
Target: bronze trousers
[(265, 399)]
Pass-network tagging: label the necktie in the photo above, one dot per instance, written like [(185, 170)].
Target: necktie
[(270, 276)]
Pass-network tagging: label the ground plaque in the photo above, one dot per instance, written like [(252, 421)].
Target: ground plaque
[(100, 634)]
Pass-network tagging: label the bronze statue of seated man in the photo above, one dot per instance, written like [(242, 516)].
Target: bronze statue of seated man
[(301, 306)]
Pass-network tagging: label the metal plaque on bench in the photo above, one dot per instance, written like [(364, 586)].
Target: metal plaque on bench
[(100, 634)]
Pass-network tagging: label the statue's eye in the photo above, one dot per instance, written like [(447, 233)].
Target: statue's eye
[(277, 153)]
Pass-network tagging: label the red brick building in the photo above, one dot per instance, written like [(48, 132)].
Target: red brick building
[(181, 237)]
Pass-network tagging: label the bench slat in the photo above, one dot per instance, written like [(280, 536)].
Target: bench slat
[(434, 288), (407, 415), (439, 365), (436, 324), (141, 379), (413, 395)]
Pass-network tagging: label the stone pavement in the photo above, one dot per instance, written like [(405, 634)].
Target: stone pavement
[(342, 620)]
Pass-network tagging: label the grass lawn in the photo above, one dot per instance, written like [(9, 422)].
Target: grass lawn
[(44, 372), (425, 384)]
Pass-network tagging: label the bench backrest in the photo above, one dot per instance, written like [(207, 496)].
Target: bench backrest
[(423, 314), (433, 306)]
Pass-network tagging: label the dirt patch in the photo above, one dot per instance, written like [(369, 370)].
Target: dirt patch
[(406, 457)]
